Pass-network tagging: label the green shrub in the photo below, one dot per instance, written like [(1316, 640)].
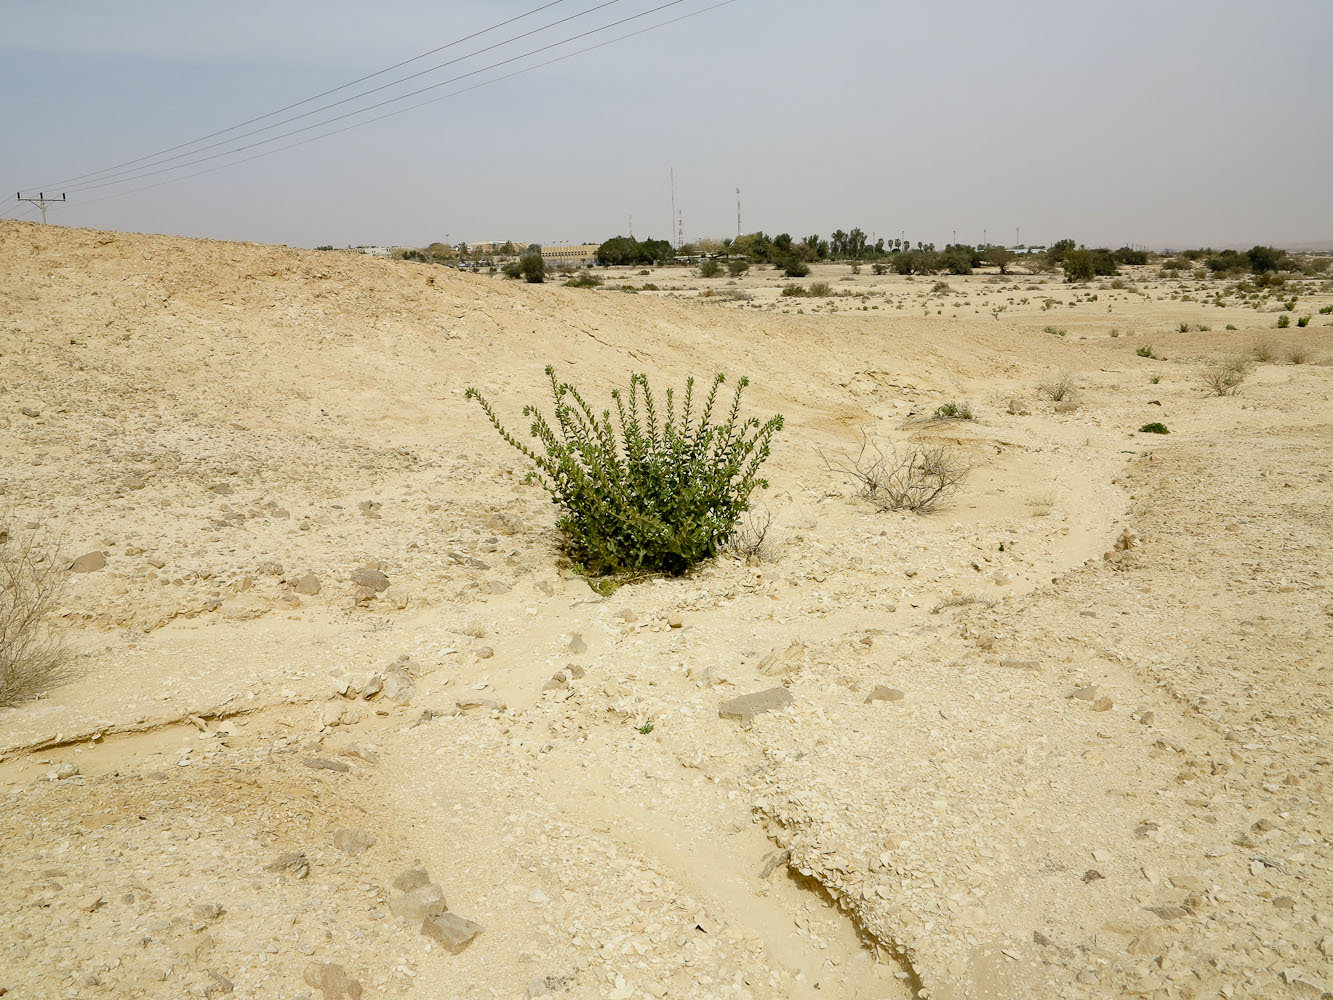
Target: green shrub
[(821, 289), (1283, 321), (1145, 351), (1303, 321), (1055, 331), (794, 290), (1183, 328), (736, 268), (795, 268), (1231, 326), (584, 279), (879, 268), (1154, 428), (663, 494), (648, 286), (709, 269), (955, 411), (1325, 310)]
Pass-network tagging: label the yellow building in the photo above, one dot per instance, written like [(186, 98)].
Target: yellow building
[(570, 253)]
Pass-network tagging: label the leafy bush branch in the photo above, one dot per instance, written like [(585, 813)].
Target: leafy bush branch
[(656, 491)]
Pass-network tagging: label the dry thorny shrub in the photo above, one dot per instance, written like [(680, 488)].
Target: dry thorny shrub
[(751, 538), (1223, 378), (31, 579), (917, 477), (1058, 389)]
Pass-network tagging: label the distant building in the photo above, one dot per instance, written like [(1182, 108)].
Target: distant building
[(571, 253)]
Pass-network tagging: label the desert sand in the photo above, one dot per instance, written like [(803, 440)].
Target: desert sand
[(1069, 737)]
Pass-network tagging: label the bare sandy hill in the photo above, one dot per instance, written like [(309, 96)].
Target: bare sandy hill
[(333, 641)]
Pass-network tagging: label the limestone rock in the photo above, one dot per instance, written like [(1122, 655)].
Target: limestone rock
[(747, 706), (332, 980), (90, 562), (353, 842), (882, 693), (244, 607), (308, 585), (415, 905), (370, 579), (450, 930)]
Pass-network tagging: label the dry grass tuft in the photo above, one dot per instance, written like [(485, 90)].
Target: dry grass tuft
[(31, 581)]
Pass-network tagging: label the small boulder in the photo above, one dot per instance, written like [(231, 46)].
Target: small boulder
[(332, 980), (882, 693), (308, 585), (744, 708), (417, 904), (353, 842), (370, 579), (451, 931), (90, 562)]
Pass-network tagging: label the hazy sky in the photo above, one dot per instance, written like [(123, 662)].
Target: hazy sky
[(1158, 123)]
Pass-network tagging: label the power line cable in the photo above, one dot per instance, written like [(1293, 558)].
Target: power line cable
[(297, 104), (132, 175), (372, 107), (421, 104)]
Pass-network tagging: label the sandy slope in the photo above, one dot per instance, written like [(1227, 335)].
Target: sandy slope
[(223, 419)]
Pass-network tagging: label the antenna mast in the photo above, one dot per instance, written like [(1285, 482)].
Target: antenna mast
[(738, 213), (673, 201)]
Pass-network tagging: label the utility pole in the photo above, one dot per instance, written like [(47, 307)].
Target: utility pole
[(41, 201), (631, 225), (1015, 237), (738, 213)]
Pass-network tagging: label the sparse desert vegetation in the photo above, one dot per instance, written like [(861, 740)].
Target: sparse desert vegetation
[(319, 578)]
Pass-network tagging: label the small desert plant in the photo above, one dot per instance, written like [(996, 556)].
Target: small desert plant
[(1231, 326), (879, 268), (31, 581), (660, 496), (1298, 356), (1263, 352), (793, 290), (920, 478), (795, 268), (1053, 330), (751, 537), (1155, 380), (584, 279), (736, 268), (962, 601), (954, 411), (1145, 351), (1283, 321), (1302, 320), (1059, 388), (1156, 427), (820, 289), (648, 286), (1325, 310), (709, 269), (1223, 378), (1115, 332)]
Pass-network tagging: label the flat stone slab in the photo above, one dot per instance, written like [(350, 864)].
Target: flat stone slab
[(747, 706)]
